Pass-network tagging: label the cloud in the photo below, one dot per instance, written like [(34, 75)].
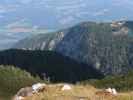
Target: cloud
[(8, 8), (101, 12), (66, 20), (122, 3)]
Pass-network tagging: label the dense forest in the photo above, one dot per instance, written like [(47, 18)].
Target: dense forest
[(50, 65)]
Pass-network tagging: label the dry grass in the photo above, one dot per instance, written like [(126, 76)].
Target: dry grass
[(78, 92)]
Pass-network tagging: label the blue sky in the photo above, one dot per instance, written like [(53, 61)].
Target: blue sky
[(57, 13)]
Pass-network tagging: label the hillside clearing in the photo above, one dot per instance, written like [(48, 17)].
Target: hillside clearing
[(78, 92)]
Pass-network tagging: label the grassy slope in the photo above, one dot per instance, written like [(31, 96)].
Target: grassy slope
[(12, 79), (78, 92)]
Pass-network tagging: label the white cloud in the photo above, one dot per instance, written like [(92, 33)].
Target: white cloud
[(101, 12), (66, 20), (122, 2), (7, 8)]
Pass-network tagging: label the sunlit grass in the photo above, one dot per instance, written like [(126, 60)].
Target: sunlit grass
[(78, 92)]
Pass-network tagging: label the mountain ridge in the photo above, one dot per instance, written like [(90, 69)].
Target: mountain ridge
[(107, 46)]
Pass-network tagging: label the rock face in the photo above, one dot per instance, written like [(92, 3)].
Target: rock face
[(41, 41), (107, 46), (97, 44)]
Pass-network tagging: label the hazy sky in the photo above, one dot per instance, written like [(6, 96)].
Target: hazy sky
[(55, 13), (19, 17)]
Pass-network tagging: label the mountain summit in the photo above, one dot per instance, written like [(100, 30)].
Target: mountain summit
[(107, 46)]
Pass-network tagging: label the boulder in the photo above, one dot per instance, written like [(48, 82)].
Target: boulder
[(38, 87), (114, 92), (66, 87), (25, 92), (108, 90), (19, 98)]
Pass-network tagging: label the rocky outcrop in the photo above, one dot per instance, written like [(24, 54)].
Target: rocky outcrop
[(29, 91), (41, 41)]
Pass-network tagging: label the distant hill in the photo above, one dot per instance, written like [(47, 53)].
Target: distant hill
[(48, 64), (107, 46)]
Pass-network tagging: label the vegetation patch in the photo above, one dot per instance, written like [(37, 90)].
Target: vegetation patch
[(12, 79), (120, 82)]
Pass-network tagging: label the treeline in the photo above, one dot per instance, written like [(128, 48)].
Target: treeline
[(119, 82), (50, 65)]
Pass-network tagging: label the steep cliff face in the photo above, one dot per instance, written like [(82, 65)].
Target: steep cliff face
[(108, 46), (104, 45), (41, 41)]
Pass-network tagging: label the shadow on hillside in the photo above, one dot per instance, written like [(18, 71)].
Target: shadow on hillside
[(59, 68)]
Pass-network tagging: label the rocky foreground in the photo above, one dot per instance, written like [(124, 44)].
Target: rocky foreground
[(69, 92)]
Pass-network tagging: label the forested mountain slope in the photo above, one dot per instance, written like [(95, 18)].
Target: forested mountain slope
[(48, 64), (107, 46)]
